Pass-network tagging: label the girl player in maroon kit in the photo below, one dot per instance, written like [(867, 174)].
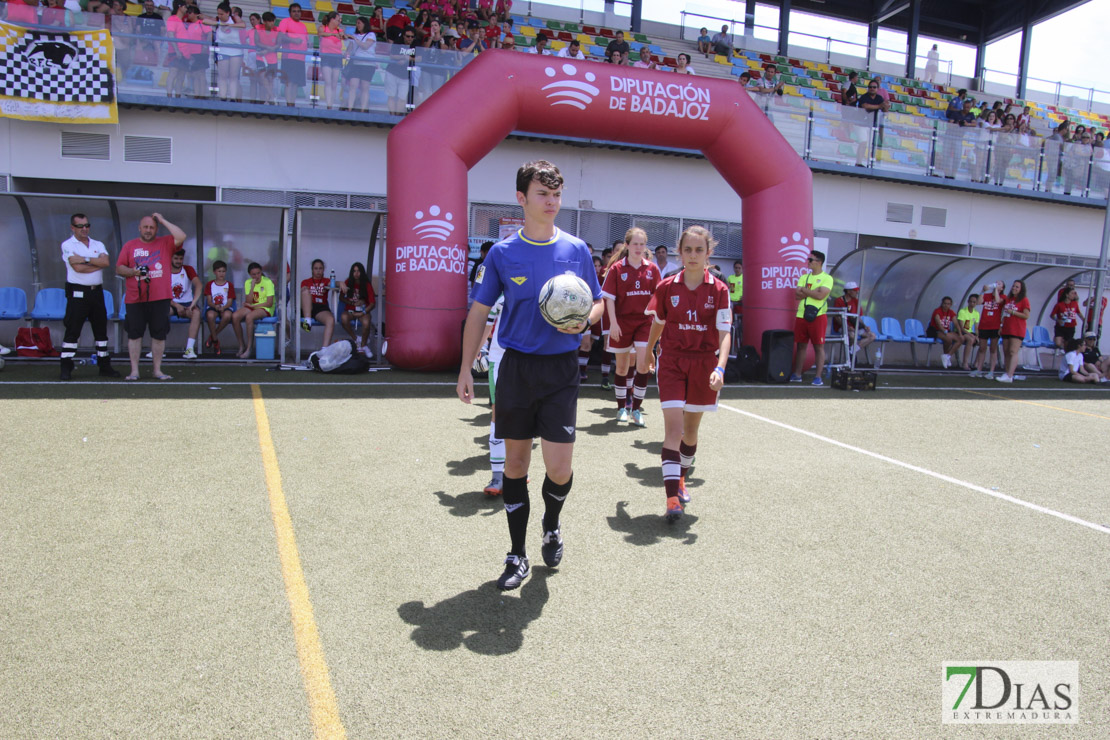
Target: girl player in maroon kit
[(629, 286), (693, 315)]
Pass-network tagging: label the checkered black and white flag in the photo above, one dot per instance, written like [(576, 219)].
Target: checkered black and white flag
[(63, 76)]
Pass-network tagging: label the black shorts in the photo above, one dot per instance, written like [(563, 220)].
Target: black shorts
[(1068, 378), (985, 334), (537, 396), (319, 308), (153, 315), (356, 71), (931, 332), (331, 61), (293, 71), (198, 62), (1067, 332), (183, 307)]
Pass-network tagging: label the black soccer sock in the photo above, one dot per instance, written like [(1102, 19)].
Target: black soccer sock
[(514, 492), (554, 495)]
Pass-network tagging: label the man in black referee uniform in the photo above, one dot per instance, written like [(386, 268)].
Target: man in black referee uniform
[(537, 379), (85, 260)]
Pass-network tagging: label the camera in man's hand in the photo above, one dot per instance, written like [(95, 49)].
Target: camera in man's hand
[(144, 273)]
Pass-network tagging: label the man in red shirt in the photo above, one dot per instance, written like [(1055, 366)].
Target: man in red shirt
[(294, 38), (145, 263)]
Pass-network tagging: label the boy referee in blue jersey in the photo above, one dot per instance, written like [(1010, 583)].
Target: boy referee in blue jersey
[(537, 381)]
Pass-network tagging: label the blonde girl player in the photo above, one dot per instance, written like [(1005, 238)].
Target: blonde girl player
[(629, 286), (687, 307)]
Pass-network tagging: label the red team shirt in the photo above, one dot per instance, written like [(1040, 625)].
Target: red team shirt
[(946, 319), (1011, 325), (1069, 312), (631, 288), (992, 313), (318, 289), (156, 255), (692, 317), (221, 295)]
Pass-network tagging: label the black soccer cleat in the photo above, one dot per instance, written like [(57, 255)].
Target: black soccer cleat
[(552, 548), (516, 570)]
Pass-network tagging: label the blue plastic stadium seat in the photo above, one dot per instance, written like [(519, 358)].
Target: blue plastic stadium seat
[(50, 305), (915, 330), (13, 303), (109, 304)]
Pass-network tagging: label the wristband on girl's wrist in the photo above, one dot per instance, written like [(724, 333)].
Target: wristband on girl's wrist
[(720, 370)]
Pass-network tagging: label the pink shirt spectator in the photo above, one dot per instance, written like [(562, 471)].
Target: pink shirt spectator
[(331, 43), (18, 12), (192, 32), (269, 39), (295, 29)]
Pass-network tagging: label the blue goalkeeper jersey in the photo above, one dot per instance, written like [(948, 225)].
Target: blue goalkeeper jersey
[(518, 267)]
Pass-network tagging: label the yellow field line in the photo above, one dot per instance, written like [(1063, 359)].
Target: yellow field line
[(322, 705), (1042, 405)]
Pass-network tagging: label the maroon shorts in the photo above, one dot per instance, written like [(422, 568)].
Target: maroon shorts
[(684, 381), (810, 331), (634, 332)]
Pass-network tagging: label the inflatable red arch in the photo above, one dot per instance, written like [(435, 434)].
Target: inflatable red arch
[(430, 152)]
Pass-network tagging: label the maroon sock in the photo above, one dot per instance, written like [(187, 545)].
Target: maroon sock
[(639, 389), (671, 471), (686, 456)]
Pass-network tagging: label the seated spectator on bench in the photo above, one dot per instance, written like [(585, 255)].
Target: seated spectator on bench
[(186, 295), (258, 303), (943, 326), (967, 320), (769, 83), (1074, 369), (705, 43), (1091, 354), (219, 294), (314, 301), (541, 45), (860, 335), (358, 301), (646, 61), (683, 67), (722, 42), (573, 50), (1066, 315)]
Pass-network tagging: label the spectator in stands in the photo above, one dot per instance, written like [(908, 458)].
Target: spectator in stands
[(396, 25), (493, 34), (331, 57), (966, 321), (258, 304), (705, 43), (357, 296), (870, 102), (722, 42), (1015, 313), (25, 13), (293, 35), (1077, 157), (614, 57), (858, 332), (746, 80), (314, 301), (849, 94), (229, 54), (1066, 315), (485, 11), (150, 22), (423, 19), (510, 44), (142, 263), (397, 73), (646, 61), (932, 64), (504, 7), (178, 63), (361, 48), (943, 326), (1053, 148), (952, 152), (956, 106), (1075, 368), (197, 51), (988, 128), (1025, 116), (432, 76), (619, 44), (219, 296), (186, 290), (769, 83), (473, 44), (1005, 146), (377, 24), (811, 320), (666, 269), (267, 44), (56, 14), (573, 50), (541, 45)]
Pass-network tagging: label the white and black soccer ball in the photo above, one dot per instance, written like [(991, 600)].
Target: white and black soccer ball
[(565, 301), (481, 362)]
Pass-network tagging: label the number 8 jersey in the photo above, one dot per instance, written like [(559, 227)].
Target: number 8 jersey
[(692, 317)]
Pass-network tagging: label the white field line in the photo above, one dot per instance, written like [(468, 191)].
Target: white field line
[(924, 471)]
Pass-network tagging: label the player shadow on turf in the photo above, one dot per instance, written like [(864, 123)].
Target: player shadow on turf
[(469, 466), (469, 503), (484, 620), (651, 529), (608, 427), (653, 448)]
